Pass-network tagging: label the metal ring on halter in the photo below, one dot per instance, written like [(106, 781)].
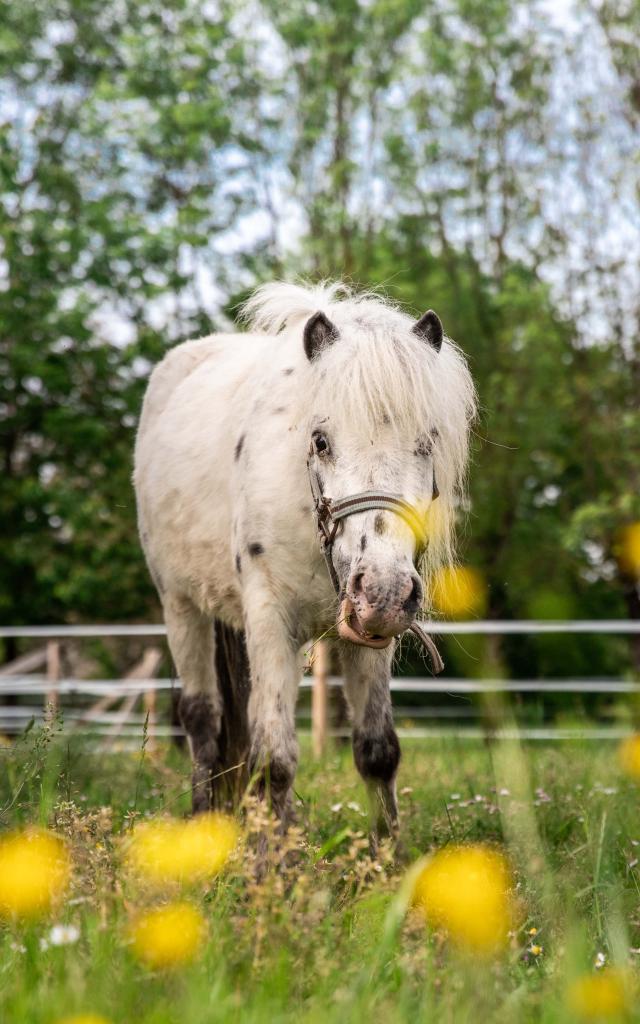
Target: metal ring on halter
[(328, 516)]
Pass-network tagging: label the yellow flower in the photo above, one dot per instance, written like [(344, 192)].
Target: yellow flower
[(536, 950), (84, 1018), (168, 936), (629, 756), (459, 592), (34, 872), (627, 550), (465, 890), (182, 850), (597, 996)]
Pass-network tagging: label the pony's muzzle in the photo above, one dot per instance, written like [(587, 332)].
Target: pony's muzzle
[(375, 610), (349, 628)]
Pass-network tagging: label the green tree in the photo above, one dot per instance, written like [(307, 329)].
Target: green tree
[(118, 166)]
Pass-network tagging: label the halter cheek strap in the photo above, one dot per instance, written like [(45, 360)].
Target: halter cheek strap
[(328, 516)]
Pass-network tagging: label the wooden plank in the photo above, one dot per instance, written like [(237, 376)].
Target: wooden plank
[(143, 669), (25, 663), (146, 667)]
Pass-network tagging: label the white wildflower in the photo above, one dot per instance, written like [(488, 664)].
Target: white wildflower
[(61, 935)]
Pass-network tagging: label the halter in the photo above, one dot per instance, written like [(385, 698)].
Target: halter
[(328, 515)]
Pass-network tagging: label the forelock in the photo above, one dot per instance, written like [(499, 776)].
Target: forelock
[(379, 370)]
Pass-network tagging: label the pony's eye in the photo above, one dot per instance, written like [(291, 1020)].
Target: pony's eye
[(320, 444)]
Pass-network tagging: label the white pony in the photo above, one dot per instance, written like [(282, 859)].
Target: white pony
[(245, 441)]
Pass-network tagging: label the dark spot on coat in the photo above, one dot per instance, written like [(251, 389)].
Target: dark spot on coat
[(363, 542), (423, 447), (380, 524), (238, 564), (255, 548), (280, 409), (306, 509), (288, 371), (239, 447), (385, 419)]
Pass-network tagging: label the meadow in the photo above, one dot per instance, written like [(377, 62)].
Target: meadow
[(327, 934)]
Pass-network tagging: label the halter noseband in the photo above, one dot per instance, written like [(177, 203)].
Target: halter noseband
[(328, 515)]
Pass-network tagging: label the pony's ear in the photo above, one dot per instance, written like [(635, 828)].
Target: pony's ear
[(319, 332), (429, 328)]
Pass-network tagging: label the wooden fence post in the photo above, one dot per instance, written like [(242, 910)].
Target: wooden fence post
[(319, 698), (53, 676)]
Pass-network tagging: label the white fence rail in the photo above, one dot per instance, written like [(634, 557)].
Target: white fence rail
[(128, 727), (487, 626), (406, 684)]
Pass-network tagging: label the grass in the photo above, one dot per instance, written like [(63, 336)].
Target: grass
[(320, 938)]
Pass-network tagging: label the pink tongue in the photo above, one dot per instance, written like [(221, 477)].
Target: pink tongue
[(346, 631)]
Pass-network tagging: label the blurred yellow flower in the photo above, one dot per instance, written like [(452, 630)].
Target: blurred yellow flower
[(34, 872), (459, 592), (598, 996), (84, 1018), (181, 850), (629, 756), (168, 936), (627, 550), (466, 891)]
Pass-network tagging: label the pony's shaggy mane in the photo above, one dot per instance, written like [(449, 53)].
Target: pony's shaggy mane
[(380, 370)]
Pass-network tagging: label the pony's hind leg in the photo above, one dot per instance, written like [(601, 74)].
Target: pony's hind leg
[(191, 639), (376, 749)]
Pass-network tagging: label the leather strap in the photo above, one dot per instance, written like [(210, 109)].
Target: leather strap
[(420, 632), (367, 500)]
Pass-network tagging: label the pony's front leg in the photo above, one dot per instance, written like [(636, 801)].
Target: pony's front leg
[(376, 749), (275, 676)]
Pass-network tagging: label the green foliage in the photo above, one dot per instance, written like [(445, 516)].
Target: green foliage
[(109, 184)]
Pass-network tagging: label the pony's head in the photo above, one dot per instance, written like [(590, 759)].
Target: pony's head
[(386, 405)]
